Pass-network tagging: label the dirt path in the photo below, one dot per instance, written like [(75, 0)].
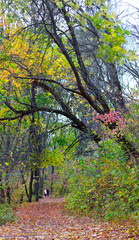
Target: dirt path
[(47, 219)]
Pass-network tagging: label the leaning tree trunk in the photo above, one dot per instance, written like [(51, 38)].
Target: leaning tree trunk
[(130, 150)]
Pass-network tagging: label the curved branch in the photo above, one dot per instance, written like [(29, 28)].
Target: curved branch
[(52, 81), (66, 112)]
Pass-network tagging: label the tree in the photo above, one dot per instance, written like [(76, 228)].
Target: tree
[(53, 40)]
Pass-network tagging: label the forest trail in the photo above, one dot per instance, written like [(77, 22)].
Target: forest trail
[(47, 219)]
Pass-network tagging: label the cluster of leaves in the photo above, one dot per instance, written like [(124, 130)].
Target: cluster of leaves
[(104, 186), (6, 214), (132, 124), (110, 117), (115, 123), (22, 54), (112, 38)]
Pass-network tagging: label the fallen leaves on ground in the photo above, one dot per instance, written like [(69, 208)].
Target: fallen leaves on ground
[(47, 219)]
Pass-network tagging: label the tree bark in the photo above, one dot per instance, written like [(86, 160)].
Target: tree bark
[(37, 184), (8, 194), (2, 195), (30, 186), (24, 182), (52, 173)]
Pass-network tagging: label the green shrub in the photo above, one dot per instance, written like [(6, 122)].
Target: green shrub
[(6, 214), (105, 186), (40, 194)]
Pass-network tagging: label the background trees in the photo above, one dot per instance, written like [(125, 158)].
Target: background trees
[(61, 67), (94, 79)]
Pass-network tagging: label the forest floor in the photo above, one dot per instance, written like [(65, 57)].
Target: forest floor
[(47, 219)]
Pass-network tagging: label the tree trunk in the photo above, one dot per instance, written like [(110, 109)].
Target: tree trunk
[(30, 186), (52, 173), (8, 194), (37, 184), (24, 182), (129, 149), (41, 179), (2, 195)]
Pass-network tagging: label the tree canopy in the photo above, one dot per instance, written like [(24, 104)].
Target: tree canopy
[(63, 58)]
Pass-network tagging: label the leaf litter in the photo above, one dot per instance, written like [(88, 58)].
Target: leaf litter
[(48, 219)]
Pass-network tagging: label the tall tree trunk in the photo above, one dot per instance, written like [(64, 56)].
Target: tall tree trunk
[(41, 180), (8, 194), (37, 184), (2, 195), (8, 189), (52, 173), (30, 186), (24, 182)]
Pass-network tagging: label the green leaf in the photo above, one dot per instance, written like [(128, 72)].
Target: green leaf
[(6, 163), (127, 32), (59, 4)]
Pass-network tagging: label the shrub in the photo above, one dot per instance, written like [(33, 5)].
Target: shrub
[(6, 214), (105, 186)]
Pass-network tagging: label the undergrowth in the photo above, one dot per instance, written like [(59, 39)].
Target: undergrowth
[(6, 214)]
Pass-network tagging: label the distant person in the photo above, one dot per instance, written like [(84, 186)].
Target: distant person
[(45, 192), (48, 192)]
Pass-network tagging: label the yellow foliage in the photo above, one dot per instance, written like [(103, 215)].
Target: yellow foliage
[(54, 157), (24, 56)]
